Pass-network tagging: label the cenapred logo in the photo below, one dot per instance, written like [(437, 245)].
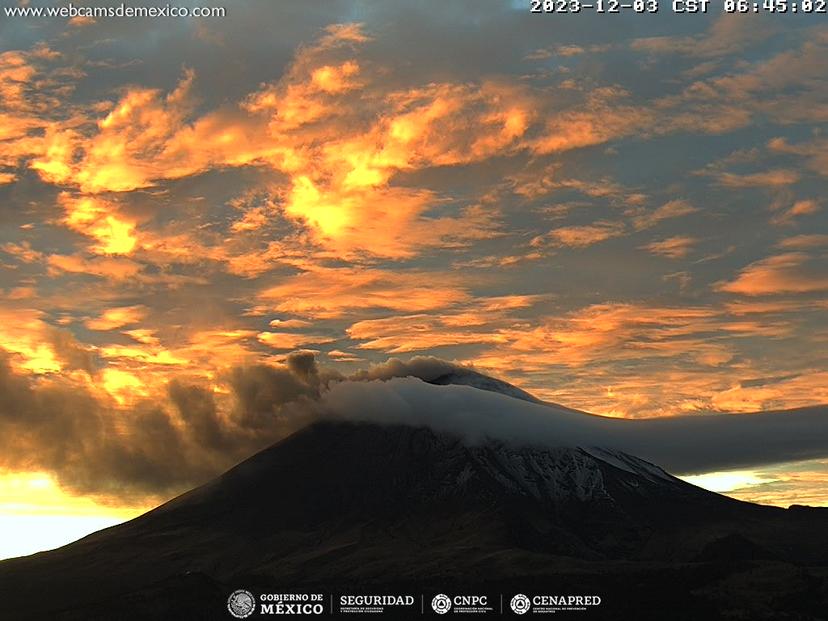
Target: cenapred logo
[(520, 604), (241, 603), (441, 604)]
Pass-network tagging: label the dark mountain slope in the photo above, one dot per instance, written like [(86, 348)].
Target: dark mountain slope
[(349, 506)]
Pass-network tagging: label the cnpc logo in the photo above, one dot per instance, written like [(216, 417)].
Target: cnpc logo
[(442, 603)]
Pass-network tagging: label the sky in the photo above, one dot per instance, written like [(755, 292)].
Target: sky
[(623, 214)]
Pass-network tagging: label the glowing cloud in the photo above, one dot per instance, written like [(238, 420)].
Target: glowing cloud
[(793, 272)]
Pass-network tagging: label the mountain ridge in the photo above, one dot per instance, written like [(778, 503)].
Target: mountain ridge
[(345, 505)]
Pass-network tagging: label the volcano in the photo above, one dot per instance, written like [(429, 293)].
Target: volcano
[(349, 507)]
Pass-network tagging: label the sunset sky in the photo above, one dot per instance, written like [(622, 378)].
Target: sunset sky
[(624, 214)]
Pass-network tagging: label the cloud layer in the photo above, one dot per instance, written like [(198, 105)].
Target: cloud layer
[(158, 447), (681, 445)]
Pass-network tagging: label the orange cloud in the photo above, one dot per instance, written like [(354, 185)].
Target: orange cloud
[(340, 160), (580, 236), (619, 359), (343, 356), (676, 247), (29, 90), (123, 386), (22, 251), (25, 335), (596, 330), (770, 178), (786, 88), (671, 209), (332, 292), (198, 354), (120, 157), (589, 343), (386, 222), (484, 320), (16, 73), (803, 242), (116, 269), (815, 152), (289, 324), (799, 389), (142, 335), (727, 35), (22, 293), (340, 136), (793, 272), (751, 307), (342, 189), (118, 317), (799, 208), (600, 118), (408, 333), (99, 220)]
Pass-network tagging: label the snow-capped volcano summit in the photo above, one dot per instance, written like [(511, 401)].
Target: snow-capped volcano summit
[(468, 377)]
